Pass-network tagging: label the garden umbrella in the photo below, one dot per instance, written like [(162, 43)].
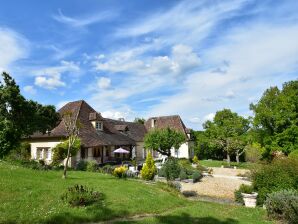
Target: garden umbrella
[(121, 151)]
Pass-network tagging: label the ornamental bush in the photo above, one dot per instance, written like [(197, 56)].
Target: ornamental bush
[(149, 169), (253, 152), (195, 160), (171, 169), (92, 166), (281, 174), (81, 165), (120, 172), (283, 205), (196, 176), (80, 195)]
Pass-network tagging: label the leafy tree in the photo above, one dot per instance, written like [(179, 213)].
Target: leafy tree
[(60, 151), (72, 128), (139, 120), (276, 118), (149, 170), (20, 117), (226, 132), (162, 140)]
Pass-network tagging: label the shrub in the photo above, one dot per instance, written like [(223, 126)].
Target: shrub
[(92, 166), (108, 169), (22, 152), (60, 151), (81, 165), (175, 185), (253, 152), (196, 176), (120, 172), (195, 160), (281, 174), (183, 175), (171, 169), (79, 195), (149, 169), (247, 189), (294, 154), (283, 205)]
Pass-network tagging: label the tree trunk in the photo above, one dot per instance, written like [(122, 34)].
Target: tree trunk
[(237, 157), (228, 159), (66, 163)]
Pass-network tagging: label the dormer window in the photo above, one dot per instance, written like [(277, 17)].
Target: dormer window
[(98, 125)]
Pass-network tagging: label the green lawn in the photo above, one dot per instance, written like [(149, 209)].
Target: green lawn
[(32, 196), (219, 163)]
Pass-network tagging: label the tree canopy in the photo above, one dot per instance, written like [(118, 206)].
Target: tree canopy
[(163, 140), (20, 117), (139, 120), (226, 132), (276, 118)]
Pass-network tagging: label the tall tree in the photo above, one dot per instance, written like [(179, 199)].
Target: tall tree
[(163, 140), (226, 132), (72, 128), (20, 117), (276, 118)]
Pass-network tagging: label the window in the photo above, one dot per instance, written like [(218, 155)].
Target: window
[(49, 154), (107, 152), (96, 152), (84, 153), (98, 125)]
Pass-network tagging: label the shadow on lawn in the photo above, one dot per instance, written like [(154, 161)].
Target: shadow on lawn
[(185, 218), (93, 213)]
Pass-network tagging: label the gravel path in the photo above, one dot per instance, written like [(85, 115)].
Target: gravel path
[(219, 187)]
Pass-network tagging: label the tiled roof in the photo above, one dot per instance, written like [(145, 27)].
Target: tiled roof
[(173, 122), (88, 134)]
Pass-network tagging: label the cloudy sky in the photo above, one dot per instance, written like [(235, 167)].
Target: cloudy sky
[(139, 58)]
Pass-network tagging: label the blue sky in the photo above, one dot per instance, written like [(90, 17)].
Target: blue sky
[(137, 58)]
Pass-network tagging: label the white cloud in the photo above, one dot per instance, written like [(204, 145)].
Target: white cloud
[(113, 114), (103, 83), (181, 59), (209, 117), (84, 21), (50, 77), (13, 46), (30, 90)]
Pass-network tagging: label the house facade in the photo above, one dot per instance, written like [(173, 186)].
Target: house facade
[(101, 136)]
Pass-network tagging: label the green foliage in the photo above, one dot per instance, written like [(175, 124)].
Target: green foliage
[(195, 160), (92, 166), (183, 175), (149, 169), (60, 151), (283, 205), (80, 195), (281, 174), (196, 176), (81, 165), (294, 154), (20, 117), (171, 169), (247, 189), (254, 152), (22, 152), (120, 172), (227, 131), (162, 140), (276, 118), (139, 120), (108, 169)]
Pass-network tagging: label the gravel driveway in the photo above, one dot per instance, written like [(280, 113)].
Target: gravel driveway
[(222, 185)]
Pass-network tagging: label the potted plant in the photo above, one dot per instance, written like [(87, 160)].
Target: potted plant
[(250, 199)]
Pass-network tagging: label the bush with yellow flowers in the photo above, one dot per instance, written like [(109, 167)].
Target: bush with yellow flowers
[(120, 172)]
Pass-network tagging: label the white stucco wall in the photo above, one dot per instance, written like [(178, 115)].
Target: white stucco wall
[(49, 144), (185, 151)]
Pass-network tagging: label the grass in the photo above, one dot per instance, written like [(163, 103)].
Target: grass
[(219, 163), (32, 196)]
